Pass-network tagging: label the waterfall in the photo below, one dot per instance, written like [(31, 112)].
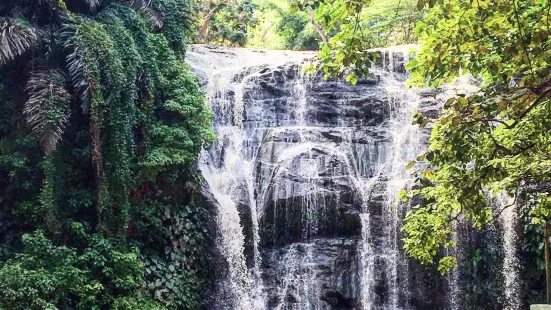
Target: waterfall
[(306, 175), (505, 208), (227, 165), (509, 218)]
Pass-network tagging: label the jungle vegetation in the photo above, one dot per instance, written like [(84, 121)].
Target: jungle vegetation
[(100, 128), (282, 24), (102, 123)]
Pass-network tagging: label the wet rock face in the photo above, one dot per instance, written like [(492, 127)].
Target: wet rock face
[(310, 193), (320, 159), (321, 274), (318, 139), (280, 96)]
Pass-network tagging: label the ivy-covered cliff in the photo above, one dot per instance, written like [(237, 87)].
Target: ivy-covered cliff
[(101, 123)]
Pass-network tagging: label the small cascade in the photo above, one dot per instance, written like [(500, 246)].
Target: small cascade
[(511, 265), (405, 141), (231, 244), (297, 290)]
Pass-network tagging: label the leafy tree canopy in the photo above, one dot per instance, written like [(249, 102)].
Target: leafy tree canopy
[(494, 140), (225, 22)]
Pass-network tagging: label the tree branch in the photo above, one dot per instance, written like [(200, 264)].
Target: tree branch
[(542, 96), (316, 25), (206, 21)]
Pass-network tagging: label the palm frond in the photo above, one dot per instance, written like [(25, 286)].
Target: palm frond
[(93, 4), (149, 11), (82, 83), (79, 78), (47, 109), (15, 39)]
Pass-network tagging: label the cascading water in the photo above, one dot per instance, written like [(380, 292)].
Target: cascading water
[(306, 175), (226, 167), (509, 218), (505, 209)]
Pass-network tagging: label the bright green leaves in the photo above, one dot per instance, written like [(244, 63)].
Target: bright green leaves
[(446, 264), (420, 119), (354, 28), (455, 38), (227, 22), (485, 142), (541, 213), (45, 275), (352, 78)]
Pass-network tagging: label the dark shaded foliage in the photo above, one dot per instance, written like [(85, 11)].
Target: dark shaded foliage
[(100, 129)]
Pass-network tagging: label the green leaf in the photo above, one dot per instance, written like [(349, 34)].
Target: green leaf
[(411, 64), (293, 9)]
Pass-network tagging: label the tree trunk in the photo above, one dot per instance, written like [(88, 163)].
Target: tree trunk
[(206, 21), (316, 26)]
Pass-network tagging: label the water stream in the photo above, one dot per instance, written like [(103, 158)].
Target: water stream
[(306, 175)]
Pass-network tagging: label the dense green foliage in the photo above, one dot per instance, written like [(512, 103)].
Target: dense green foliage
[(226, 22), (356, 27), (494, 140), (297, 32), (100, 129)]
